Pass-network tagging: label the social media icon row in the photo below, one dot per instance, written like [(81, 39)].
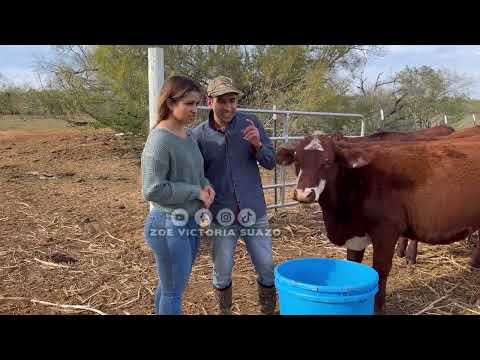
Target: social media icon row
[(225, 217)]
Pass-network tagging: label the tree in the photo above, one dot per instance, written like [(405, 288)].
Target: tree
[(381, 94), (110, 82), (431, 93), (412, 98), (307, 77), (11, 100)]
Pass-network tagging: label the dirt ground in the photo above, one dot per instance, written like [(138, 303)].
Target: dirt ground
[(71, 229)]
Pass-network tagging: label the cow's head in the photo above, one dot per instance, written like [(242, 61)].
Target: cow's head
[(316, 160)]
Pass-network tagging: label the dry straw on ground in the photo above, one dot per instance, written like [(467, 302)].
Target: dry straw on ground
[(73, 243)]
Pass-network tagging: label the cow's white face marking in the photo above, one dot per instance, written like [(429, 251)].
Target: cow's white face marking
[(319, 189), (315, 144), (358, 243), (299, 175), (303, 194)]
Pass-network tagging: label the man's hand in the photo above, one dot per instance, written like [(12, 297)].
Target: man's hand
[(252, 135)]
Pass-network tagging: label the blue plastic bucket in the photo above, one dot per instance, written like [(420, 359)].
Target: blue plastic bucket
[(316, 286)]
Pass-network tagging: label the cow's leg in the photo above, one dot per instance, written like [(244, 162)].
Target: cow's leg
[(470, 238), (473, 237), (354, 255), (411, 253), (383, 250), (401, 246), (475, 259)]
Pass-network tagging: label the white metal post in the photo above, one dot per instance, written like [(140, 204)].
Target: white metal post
[(156, 74), (445, 118), (283, 171), (275, 175), (474, 120)]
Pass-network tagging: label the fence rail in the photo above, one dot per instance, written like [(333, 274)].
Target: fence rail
[(283, 184)]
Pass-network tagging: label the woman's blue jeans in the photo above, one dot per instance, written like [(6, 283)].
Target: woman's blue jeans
[(174, 248)]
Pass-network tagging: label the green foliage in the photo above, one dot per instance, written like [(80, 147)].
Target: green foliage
[(110, 83), (431, 93), (413, 98)]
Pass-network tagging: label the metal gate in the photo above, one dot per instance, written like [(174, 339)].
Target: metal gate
[(283, 184)]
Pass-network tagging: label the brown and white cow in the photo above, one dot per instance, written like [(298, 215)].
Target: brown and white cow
[(427, 191), (405, 247)]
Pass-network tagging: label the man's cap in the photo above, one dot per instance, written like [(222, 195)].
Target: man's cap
[(221, 85)]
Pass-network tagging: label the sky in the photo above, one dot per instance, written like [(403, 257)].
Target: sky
[(462, 59), (16, 61)]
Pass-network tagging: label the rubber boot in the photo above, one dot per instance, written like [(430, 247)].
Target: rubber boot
[(267, 298), (224, 300)]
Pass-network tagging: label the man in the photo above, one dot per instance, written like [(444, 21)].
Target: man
[(232, 143)]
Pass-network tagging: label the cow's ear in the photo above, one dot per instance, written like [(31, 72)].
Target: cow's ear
[(285, 156), (352, 157)]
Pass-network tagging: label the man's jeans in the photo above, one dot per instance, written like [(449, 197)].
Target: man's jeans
[(259, 246), (174, 248)]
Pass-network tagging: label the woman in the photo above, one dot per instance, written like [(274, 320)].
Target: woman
[(173, 180)]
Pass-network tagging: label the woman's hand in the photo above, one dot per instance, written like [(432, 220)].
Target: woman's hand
[(207, 194), (210, 191)]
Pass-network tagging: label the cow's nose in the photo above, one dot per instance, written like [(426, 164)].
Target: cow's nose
[(310, 197), (306, 195)]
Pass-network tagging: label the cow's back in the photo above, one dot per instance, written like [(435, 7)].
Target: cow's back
[(435, 184), (440, 130), (398, 136), (465, 133)]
